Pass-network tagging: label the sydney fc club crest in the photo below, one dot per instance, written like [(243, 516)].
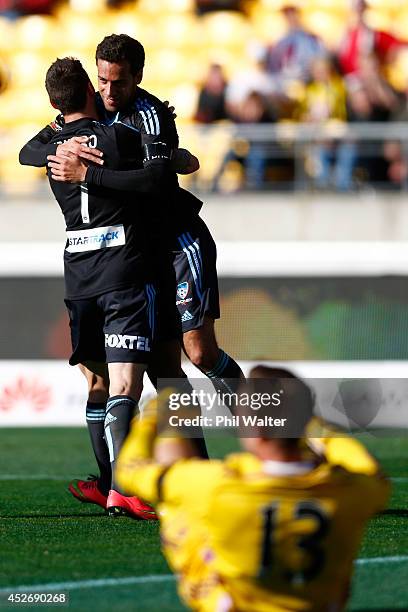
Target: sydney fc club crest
[(182, 293), (182, 290)]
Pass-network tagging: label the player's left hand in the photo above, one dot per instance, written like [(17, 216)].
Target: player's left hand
[(79, 145), (184, 162), (67, 168), (171, 109)]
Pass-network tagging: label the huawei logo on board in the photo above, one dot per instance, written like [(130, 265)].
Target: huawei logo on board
[(25, 393)]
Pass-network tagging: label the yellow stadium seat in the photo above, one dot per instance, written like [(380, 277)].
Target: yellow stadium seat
[(330, 5), (184, 97), (225, 29), (380, 19), (388, 4), (328, 26), (15, 178), (37, 32), (229, 59), (133, 24), (93, 7), (6, 36), (178, 31), (401, 25), (15, 104), (80, 32), (276, 5), (170, 66), (28, 69), (166, 6), (268, 26), (398, 72)]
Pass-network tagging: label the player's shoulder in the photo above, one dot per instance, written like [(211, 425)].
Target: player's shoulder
[(242, 464), (145, 99), (152, 114)]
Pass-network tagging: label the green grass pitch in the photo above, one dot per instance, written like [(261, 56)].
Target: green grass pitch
[(48, 537)]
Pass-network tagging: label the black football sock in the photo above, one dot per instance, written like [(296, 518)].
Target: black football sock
[(184, 386), (226, 376), (120, 410), (95, 418)]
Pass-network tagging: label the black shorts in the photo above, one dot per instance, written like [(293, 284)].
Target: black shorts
[(117, 326), (168, 318), (195, 265)]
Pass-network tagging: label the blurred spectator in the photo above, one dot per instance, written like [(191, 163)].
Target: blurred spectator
[(361, 40), (396, 158), (12, 9), (256, 110), (325, 94), (384, 100), (206, 6), (258, 80), (292, 56), (211, 101), (324, 100), (371, 101), (252, 154), (396, 152), (4, 76)]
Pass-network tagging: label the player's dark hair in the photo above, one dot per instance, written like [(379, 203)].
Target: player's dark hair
[(296, 405), (119, 48), (67, 83)]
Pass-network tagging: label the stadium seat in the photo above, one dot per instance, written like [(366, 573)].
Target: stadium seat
[(80, 32), (166, 6), (134, 24), (400, 26), (184, 97), (170, 66), (94, 7), (380, 19), (276, 5), (268, 26), (329, 26), (179, 31), (6, 36), (28, 69), (37, 32), (224, 29)]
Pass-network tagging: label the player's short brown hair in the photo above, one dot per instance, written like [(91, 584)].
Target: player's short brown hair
[(118, 48), (67, 83), (296, 403)]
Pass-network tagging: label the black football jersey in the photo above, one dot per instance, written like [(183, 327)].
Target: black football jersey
[(152, 119), (105, 248)]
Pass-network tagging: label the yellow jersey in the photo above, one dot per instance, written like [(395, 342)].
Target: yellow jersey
[(251, 536)]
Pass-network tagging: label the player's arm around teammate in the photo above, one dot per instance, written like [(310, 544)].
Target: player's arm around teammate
[(109, 295)]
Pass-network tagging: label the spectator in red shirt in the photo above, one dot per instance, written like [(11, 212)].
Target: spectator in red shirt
[(361, 40)]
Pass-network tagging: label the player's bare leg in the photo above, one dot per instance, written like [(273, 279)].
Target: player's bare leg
[(201, 347), (126, 384)]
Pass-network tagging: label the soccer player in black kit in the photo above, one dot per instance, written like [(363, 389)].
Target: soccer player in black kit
[(180, 230), (108, 289)]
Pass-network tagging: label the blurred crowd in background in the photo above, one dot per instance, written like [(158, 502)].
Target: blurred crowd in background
[(329, 64)]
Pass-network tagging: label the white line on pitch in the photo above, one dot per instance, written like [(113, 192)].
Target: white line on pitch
[(33, 477), (396, 559), (70, 477), (89, 584), (129, 580)]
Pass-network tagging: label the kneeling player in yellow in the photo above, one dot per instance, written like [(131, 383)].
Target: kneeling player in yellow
[(275, 528)]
